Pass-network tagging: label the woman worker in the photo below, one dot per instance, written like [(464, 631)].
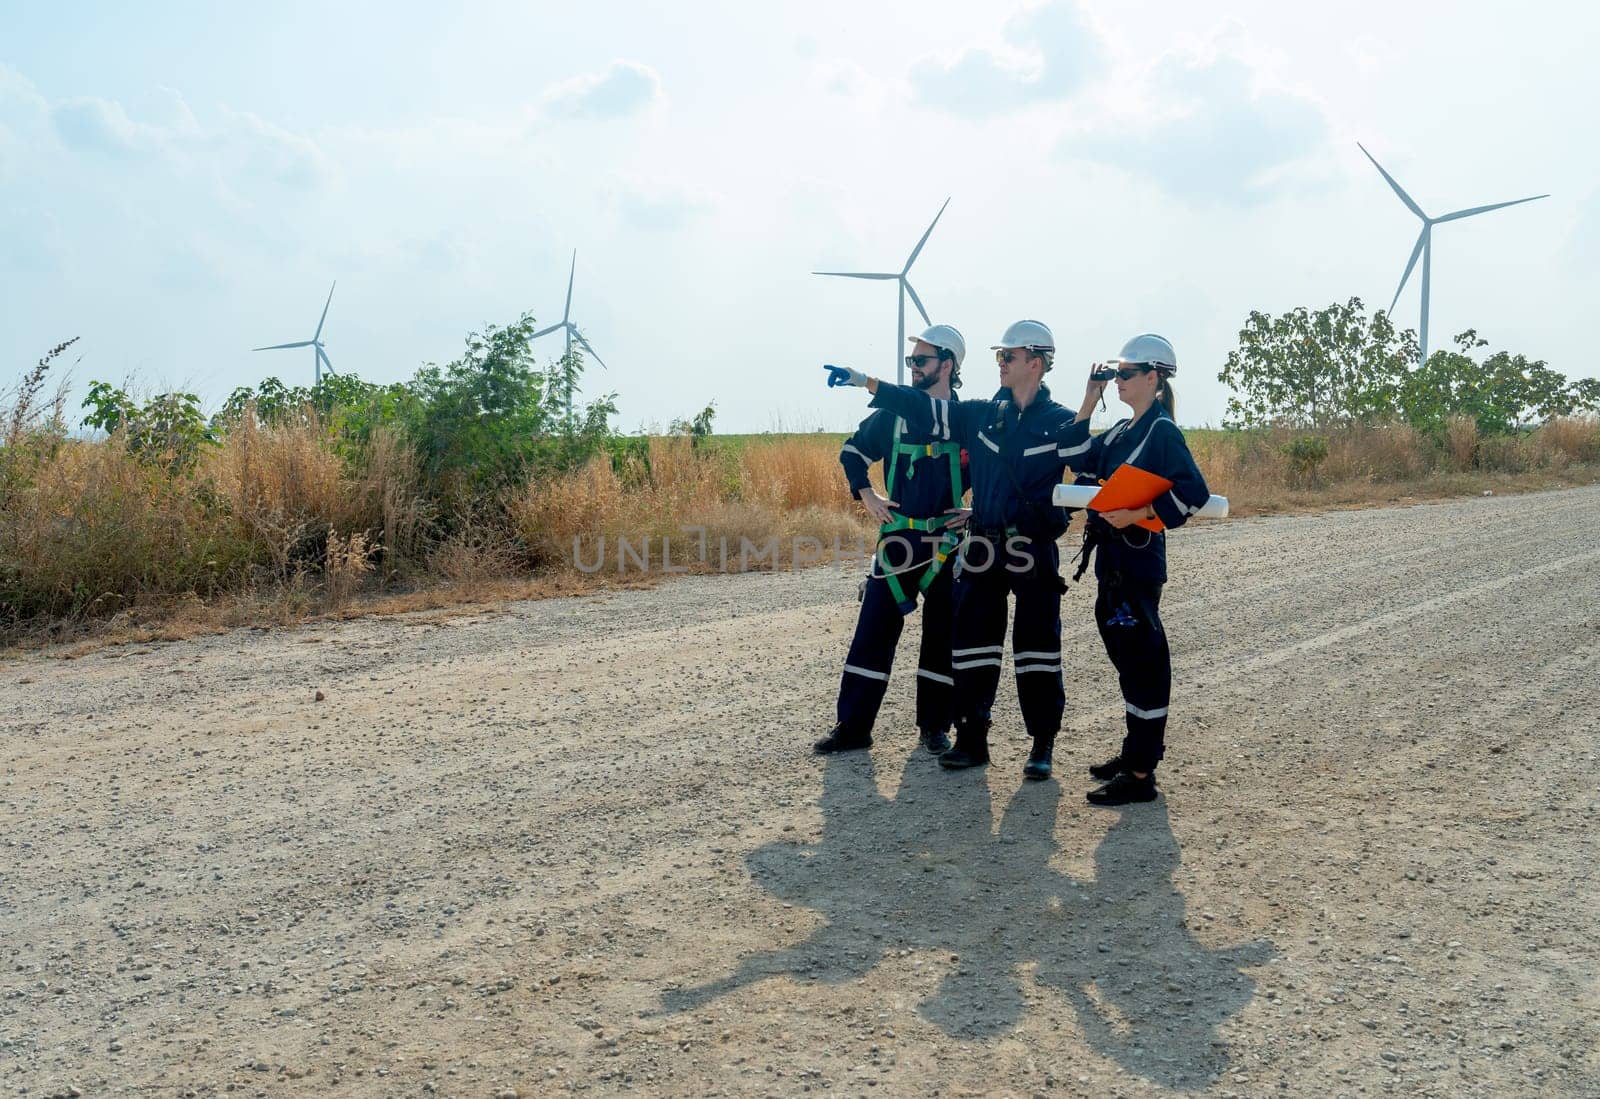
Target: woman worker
[(1016, 456), (1130, 561)]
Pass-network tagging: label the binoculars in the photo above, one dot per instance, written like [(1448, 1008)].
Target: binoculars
[(1102, 372)]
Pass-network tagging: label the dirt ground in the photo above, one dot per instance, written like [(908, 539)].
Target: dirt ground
[(582, 845)]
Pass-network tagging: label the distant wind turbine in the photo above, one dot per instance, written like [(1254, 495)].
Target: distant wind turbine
[(322, 360), (571, 329), (1424, 245), (905, 288)]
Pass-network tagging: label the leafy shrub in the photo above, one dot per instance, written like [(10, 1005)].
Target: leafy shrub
[(1305, 453), (168, 430)]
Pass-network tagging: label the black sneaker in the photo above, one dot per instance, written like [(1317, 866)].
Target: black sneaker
[(1108, 770), (1125, 789), (937, 741), (1038, 765), (840, 739), (972, 747)]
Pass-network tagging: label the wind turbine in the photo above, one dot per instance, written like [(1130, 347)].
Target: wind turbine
[(1424, 245), (315, 341), (905, 288), (572, 331)]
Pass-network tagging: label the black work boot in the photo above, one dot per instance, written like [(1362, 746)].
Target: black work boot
[(1108, 770), (972, 746), (840, 739), (1125, 789), (1038, 765), (936, 741)]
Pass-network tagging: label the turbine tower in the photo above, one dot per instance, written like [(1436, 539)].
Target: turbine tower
[(905, 288), (572, 331), (1424, 245), (321, 360)]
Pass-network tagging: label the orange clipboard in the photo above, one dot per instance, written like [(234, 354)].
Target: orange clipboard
[(1129, 487)]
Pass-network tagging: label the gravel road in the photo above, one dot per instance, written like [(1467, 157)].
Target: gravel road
[(582, 845)]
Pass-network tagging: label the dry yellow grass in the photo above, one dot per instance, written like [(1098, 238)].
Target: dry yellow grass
[(277, 526), (707, 509), (1383, 463)]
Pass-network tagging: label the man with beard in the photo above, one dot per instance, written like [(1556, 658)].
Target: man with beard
[(925, 477)]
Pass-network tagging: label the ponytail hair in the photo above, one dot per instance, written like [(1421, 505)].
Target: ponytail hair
[(1168, 399)]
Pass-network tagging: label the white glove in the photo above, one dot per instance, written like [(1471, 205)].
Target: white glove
[(843, 375)]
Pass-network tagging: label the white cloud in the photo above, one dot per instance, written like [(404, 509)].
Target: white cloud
[(242, 145), (1049, 53), (269, 151), (18, 96), (625, 88), (89, 124), (1210, 131)]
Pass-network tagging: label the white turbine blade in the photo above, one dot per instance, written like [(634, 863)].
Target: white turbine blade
[(327, 363), (1486, 209), (915, 252), (566, 314), (545, 331), (1405, 198), (917, 301), (579, 337), (325, 305), (1422, 238), (855, 275), (281, 346)]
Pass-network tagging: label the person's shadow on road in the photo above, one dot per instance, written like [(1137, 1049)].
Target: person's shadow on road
[(927, 871)]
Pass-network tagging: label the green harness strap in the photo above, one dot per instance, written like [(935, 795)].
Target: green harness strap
[(941, 552)]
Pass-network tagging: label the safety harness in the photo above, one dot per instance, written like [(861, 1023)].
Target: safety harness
[(936, 525)]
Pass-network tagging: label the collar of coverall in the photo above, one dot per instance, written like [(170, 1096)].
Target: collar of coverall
[(1004, 394)]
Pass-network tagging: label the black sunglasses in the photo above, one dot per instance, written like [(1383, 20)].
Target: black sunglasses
[(916, 362), (1007, 356), (1128, 373)]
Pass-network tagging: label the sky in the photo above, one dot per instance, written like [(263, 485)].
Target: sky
[(181, 182)]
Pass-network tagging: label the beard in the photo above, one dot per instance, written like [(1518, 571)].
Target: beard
[(927, 381)]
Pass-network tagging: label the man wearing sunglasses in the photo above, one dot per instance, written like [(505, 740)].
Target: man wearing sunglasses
[(1018, 452), (925, 477)]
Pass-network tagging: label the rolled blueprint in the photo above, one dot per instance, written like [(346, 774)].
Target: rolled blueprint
[(1079, 496)]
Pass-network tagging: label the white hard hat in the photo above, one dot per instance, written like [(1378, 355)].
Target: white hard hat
[(946, 337), (1031, 334), (1147, 347)]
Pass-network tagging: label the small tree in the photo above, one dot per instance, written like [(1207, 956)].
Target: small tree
[(1317, 369), (488, 419), (168, 430), (1586, 395), (697, 427)]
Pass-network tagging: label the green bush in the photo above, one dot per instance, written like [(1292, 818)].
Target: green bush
[(481, 424), (1305, 453), (1500, 392), (168, 430)]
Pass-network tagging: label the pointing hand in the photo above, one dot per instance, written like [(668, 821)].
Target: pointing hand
[(843, 375)]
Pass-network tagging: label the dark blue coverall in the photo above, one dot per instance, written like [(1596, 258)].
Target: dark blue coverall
[(1131, 566), (925, 475), (1017, 457)]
